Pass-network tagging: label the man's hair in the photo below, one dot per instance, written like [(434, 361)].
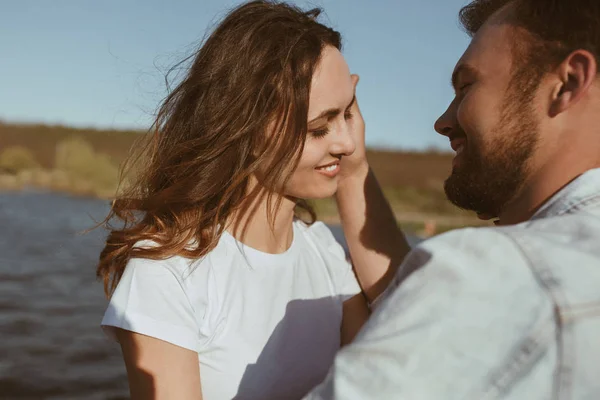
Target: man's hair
[(555, 27)]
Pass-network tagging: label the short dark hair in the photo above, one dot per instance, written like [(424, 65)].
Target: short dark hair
[(557, 27)]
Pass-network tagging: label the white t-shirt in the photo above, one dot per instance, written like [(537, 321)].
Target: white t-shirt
[(265, 326)]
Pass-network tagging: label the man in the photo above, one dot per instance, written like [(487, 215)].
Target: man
[(511, 311)]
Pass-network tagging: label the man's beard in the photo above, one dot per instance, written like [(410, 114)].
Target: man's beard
[(489, 176)]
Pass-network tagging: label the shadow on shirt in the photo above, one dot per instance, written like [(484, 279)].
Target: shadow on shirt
[(299, 352)]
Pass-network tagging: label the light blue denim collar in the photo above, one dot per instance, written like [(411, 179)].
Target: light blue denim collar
[(582, 192)]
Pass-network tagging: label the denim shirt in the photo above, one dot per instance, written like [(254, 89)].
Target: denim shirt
[(488, 313)]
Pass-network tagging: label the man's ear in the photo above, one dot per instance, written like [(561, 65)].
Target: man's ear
[(576, 74)]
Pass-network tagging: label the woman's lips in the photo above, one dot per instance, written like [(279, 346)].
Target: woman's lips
[(330, 170)]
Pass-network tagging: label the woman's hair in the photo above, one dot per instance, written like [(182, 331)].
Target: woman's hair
[(240, 111)]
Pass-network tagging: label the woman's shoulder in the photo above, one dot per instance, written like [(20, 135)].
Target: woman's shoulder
[(322, 236), (178, 265), (317, 228)]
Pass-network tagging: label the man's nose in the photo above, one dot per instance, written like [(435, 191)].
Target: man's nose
[(445, 122)]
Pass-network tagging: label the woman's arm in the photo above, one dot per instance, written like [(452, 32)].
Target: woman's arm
[(158, 370), (355, 314), (377, 245)]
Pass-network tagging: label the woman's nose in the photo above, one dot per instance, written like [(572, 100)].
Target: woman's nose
[(344, 143)]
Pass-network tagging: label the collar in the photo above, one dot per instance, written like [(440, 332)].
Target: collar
[(582, 192)]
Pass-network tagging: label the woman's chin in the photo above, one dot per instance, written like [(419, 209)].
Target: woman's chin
[(315, 192), (321, 195)]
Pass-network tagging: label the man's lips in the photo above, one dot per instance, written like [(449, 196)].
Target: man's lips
[(458, 144)]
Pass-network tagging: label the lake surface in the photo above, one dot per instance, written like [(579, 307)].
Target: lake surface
[(51, 345)]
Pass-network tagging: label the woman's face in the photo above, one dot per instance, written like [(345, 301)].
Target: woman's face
[(329, 122)]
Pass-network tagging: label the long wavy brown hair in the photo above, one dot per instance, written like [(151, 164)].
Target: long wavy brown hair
[(240, 111)]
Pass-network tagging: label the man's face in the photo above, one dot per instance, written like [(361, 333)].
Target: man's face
[(491, 124)]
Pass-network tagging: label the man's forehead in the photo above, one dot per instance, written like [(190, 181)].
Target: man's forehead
[(490, 46)]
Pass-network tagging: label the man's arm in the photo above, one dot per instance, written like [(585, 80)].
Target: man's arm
[(376, 243)]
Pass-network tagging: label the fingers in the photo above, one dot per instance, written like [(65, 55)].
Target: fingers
[(355, 78)]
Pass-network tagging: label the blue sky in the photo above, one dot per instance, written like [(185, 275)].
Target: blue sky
[(101, 64)]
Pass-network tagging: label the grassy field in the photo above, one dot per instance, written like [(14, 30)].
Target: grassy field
[(86, 161)]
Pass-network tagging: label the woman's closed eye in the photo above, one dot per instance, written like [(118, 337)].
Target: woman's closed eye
[(322, 132)]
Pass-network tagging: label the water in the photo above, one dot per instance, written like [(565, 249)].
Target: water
[(51, 346)]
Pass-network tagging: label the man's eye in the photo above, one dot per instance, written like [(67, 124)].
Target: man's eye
[(463, 87)]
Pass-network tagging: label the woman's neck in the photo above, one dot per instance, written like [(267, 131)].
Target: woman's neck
[(253, 227)]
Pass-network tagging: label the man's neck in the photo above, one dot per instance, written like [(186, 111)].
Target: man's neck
[(541, 187)]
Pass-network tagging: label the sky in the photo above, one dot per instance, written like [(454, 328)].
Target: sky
[(89, 63)]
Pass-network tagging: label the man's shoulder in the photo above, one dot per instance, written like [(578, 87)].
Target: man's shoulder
[(456, 319), (471, 234), (472, 246), (467, 274), (469, 258)]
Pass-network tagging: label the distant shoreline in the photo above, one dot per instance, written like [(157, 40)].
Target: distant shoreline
[(53, 181), (421, 223)]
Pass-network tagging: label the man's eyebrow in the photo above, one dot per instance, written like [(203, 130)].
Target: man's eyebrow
[(332, 112), (461, 69)]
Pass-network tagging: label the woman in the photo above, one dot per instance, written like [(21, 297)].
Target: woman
[(218, 288)]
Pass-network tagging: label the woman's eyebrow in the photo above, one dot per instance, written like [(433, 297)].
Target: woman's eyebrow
[(329, 113), (332, 112)]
